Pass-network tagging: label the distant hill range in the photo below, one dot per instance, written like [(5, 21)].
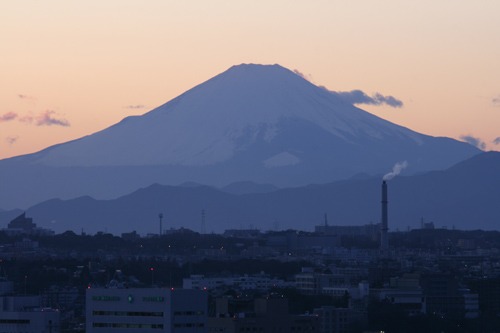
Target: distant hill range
[(257, 123), (465, 196)]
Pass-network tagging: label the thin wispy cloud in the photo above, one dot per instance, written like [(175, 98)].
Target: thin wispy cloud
[(135, 106), (26, 97), (497, 141), (46, 118), (496, 100), (476, 142), (26, 119), (11, 140), (8, 117), (360, 97)]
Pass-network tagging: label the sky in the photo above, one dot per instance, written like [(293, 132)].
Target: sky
[(72, 68)]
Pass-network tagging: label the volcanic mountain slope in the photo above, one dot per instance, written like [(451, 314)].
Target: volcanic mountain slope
[(465, 196), (251, 123)]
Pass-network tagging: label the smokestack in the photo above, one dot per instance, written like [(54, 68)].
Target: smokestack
[(384, 241)]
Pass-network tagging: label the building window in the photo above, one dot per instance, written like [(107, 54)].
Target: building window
[(125, 325), (127, 313), (105, 298), (153, 299), (189, 313), (14, 321)]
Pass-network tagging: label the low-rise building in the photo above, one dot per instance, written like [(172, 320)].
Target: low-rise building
[(264, 315), (340, 320), (146, 310), (240, 282), (25, 314)]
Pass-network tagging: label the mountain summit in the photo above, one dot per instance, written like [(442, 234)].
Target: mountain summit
[(261, 123)]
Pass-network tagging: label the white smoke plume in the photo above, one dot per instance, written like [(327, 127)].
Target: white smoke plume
[(396, 170)]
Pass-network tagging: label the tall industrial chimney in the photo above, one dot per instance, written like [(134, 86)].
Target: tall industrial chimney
[(384, 241)]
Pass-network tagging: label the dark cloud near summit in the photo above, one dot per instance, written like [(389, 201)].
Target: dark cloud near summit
[(497, 141), (360, 97), (476, 142), (388, 100), (302, 75)]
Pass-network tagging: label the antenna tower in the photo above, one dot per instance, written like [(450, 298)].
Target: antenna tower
[(203, 231)]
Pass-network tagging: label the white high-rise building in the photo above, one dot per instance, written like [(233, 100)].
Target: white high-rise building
[(146, 310)]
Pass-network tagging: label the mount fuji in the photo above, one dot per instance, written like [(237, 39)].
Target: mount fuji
[(260, 123)]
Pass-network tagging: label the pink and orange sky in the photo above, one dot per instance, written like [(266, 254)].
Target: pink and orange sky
[(71, 68)]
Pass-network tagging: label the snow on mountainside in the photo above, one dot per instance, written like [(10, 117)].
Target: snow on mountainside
[(206, 124)]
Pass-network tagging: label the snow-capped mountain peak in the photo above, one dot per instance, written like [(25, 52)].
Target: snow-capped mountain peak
[(211, 122)]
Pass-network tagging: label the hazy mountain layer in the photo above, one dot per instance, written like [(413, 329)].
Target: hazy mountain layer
[(465, 196)]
